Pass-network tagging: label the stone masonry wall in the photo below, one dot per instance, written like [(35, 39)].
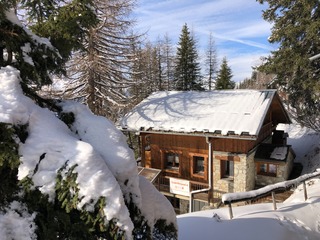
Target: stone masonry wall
[(244, 174), (283, 172)]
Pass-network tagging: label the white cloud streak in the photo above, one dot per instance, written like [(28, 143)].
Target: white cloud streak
[(238, 28)]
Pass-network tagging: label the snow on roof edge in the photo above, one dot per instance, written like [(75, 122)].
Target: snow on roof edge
[(273, 93)]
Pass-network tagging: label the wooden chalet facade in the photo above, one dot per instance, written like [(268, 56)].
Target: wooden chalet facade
[(209, 143)]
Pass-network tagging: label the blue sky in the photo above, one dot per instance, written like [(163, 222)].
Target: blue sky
[(237, 27)]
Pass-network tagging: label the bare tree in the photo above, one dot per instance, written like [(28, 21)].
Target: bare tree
[(100, 76), (168, 61), (211, 63), (258, 80), (147, 71)]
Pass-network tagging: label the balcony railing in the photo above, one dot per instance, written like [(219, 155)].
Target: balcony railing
[(266, 131), (163, 184)]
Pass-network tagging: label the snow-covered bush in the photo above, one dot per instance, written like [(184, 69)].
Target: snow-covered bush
[(79, 179)]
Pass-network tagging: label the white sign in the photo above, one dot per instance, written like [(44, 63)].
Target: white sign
[(179, 186)]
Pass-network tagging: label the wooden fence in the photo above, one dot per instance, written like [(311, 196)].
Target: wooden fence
[(230, 198)]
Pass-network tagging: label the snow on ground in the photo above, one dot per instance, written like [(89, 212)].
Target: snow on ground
[(295, 219), (306, 144)]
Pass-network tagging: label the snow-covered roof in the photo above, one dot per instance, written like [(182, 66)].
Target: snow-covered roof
[(272, 152), (239, 112)]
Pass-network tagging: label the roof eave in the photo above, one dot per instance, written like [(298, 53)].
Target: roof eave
[(198, 134)]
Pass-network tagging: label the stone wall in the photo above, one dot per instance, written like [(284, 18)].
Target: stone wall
[(244, 174), (283, 172)]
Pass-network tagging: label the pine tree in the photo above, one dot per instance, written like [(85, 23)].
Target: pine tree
[(223, 80), (187, 70), (33, 57), (65, 24), (296, 25)]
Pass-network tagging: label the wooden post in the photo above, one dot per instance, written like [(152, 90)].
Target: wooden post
[(274, 200), (305, 191), (230, 210)]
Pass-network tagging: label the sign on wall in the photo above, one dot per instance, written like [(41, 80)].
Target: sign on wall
[(179, 186)]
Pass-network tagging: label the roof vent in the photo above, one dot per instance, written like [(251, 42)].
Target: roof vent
[(245, 134), (217, 131)]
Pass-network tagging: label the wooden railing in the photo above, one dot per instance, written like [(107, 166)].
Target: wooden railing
[(265, 131), (230, 198)]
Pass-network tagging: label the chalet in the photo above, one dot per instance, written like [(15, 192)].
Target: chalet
[(200, 145)]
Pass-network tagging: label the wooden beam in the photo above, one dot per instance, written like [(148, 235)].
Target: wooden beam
[(274, 200), (305, 191), (230, 211)]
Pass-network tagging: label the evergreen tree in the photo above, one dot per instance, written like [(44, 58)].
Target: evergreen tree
[(35, 57), (296, 25), (187, 70), (223, 80), (66, 24)]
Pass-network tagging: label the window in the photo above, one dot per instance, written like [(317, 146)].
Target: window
[(198, 165), (172, 160), (147, 143), (227, 169), (273, 169), (263, 168), (267, 169)]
